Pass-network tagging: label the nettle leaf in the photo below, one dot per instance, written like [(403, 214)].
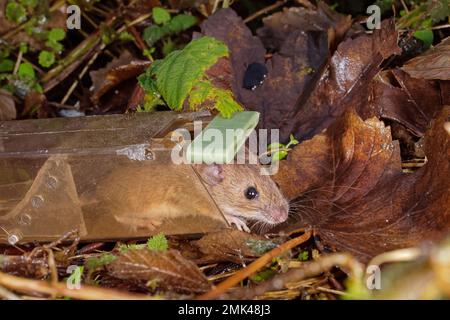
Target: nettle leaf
[(181, 77)]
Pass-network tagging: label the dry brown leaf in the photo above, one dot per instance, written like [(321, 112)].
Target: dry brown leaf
[(229, 245), (343, 84), (433, 64), (302, 53), (169, 269), (7, 106), (114, 73), (359, 200), (411, 102)]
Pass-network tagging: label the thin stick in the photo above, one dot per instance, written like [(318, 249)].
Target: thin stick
[(254, 266), (61, 289), (310, 269), (264, 11), (81, 75)]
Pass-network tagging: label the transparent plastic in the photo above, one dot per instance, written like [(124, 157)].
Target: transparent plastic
[(96, 175)]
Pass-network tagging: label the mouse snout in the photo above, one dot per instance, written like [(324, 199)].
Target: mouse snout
[(280, 214)]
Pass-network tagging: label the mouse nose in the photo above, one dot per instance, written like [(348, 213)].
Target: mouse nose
[(280, 214)]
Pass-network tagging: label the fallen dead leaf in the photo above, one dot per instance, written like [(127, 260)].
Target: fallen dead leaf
[(169, 269), (360, 200), (302, 53), (115, 72), (231, 245), (433, 64), (411, 102)]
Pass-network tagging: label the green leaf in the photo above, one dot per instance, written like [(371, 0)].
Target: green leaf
[(153, 33), (56, 46), (56, 34), (275, 146), (15, 12), (279, 155), (103, 260), (303, 256), (221, 99), (180, 70), (181, 22), (46, 58), (127, 247), (178, 24), (263, 275), (26, 71), (168, 47), (426, 36), (160, 15), (6, 65), (29, 3), (126, 36), (158, 243)]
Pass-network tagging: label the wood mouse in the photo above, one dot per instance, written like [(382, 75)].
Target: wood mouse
[(142, 196)]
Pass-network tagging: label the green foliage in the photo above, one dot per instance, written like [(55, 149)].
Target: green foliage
[(181, 22), (6, 65), (54, 36), (303, 256), (125, 36), (181, 75), (167, 26), (421, 16), (263, 275), (280, 151), (15, 12), (158, 243), (29, 3), (426, 36), (160, 15), (46, 58), (384, 5), (102, 260), (26, 71), (127, 247)]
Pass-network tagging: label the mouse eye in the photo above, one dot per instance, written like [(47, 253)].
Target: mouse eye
[(251, 193)]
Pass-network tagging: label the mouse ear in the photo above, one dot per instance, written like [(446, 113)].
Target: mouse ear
[(212, 174)]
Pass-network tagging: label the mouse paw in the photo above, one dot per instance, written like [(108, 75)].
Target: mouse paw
[(238, 222)]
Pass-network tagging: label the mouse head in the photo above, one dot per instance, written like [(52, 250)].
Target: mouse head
[(240, 190)]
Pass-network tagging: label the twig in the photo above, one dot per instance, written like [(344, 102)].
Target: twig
[(265, 10), (82, 73), (6, 294), (310, 269), (254, 266), (60, 289), (400, 255)]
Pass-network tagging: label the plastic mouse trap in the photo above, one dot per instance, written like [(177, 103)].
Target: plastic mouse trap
[(96, 175)]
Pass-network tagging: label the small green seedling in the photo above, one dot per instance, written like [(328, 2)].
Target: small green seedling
[(279, 151)]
